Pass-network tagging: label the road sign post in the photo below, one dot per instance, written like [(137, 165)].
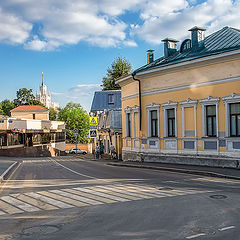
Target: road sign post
[(76, 135)]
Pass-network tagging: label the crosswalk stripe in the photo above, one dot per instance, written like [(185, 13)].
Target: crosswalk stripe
[(102, 194), (91, 196), (129, 189), (64, 199), (120, 190), (49, 200), (9, 208), (154, 192), (2, 213), (77, 197), (115, 193), (34, 202), (22, 205)]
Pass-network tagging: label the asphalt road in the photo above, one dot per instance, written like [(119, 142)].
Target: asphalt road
[(72, 198)]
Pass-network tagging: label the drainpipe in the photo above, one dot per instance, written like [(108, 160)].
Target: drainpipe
[(140, 99)]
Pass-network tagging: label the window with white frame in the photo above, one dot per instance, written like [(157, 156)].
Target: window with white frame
[(211, 127), (210, 116), (170, 121), (110, 98), (235, 119), (128, 124), (232, 120), (153, 120)]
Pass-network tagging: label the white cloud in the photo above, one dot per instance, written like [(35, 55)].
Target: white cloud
[(173, 19), (82, 93), (48, 24), (13, 29)]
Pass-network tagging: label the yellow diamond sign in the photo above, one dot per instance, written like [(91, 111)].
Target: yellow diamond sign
[(93, 121)]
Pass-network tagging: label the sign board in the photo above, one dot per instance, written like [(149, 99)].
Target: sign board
[(93, 121), (93, 133)]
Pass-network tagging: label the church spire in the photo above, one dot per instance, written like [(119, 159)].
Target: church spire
[(42, 79)]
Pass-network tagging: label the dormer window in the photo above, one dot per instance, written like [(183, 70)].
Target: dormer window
[(110, 99), (186, 45)]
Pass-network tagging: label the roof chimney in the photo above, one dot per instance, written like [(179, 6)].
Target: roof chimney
[(170, 46), (198, 36), (150, 56)]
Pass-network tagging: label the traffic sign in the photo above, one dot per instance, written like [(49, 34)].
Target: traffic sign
[(93, 133), (93, 121)]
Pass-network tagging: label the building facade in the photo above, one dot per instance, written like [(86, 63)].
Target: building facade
[(29, 132), (30, 112), (106, 106), (186, 102)]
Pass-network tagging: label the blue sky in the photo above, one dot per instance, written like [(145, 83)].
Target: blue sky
[(74, 41)]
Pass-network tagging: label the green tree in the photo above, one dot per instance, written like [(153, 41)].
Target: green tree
[(7, 106), (52, 114), (75, 117), (119, 68), (1, 111), (26, 97)]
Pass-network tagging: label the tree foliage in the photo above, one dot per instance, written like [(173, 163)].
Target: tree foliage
[(6, 106), (119, 68), (75, 118), (26, 97), (52, 114)]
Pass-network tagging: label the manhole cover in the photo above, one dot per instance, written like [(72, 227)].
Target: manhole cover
[(218, 196), (44, 229)]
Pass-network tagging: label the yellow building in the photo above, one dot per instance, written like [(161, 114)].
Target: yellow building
[(185, 103)]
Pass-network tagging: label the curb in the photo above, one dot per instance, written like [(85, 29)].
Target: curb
[(201, 173), (7, 173)]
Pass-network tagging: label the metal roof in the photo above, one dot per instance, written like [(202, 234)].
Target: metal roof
[(226, 39), (101, 100)]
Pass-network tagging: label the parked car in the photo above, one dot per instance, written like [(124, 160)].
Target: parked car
[(77, 150)]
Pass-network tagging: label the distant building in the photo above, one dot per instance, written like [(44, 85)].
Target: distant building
[(106, 105), (45, 97), (30, 112), (29, 132), (186, 102)]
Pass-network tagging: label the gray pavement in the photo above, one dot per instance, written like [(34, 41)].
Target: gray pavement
[(75, 198), (229, 173)]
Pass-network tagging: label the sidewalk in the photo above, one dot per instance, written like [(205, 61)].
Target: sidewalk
[(6, 168), (188, 169)]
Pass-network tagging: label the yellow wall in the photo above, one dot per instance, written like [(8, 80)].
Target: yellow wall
[(188, 79)]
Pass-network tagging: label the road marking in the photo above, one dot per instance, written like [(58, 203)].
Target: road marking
[(49, 200), (64, 199), (77, 197), (22, 205), (195, 236), (226, 228), (102, 194), (155, 192), (111, 192), (9, 208), (121, 190), (35, 202), (143, 192), (91, 196), (80, 174), (2, 213), (217, 180)]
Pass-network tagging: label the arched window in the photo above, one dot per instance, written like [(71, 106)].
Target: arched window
[(185, 45)]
